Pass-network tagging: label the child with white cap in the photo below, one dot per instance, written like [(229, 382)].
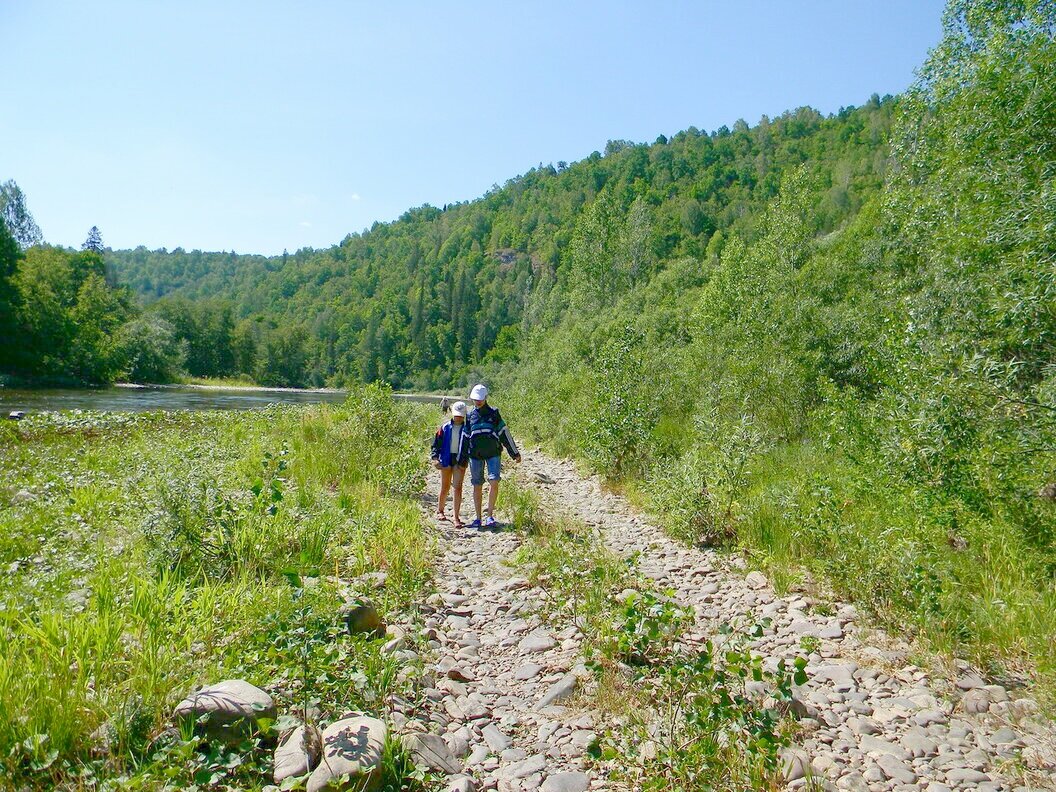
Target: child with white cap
[(488, 434), (450, 455)]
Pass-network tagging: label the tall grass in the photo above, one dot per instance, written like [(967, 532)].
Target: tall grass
[(153, 553), (972, 593)]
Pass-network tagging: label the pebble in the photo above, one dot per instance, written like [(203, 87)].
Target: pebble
[(559, 691), (536, 641)]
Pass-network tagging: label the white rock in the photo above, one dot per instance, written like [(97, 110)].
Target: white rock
[(431, 752), (566, 782), (297, 753), (756, 580), (353, 747), (559, 691), (538, 640), (794, 764)]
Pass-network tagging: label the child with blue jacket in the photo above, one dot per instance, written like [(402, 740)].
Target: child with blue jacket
[(450, 455)]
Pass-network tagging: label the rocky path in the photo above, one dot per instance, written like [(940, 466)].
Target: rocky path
[(870, 719), (502, 693)]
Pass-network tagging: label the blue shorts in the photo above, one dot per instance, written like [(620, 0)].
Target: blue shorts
[(476, 470)]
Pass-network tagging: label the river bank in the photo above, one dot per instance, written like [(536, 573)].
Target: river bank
[(221, 387), (143, 555), (137, 397), (143, 398)]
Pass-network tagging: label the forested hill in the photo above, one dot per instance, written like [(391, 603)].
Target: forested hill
[(829, 339), (419, 301)]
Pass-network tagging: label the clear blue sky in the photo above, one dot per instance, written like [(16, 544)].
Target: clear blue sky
[(259, 126)]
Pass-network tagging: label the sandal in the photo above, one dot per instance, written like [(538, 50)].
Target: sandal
[(441, 517), (459, 524)]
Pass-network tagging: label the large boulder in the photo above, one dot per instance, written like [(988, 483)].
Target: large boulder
[(227, 710), (297, 753), (352, 752)]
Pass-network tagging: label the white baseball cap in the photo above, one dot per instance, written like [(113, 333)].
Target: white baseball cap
[(458, 408), (479, 393)]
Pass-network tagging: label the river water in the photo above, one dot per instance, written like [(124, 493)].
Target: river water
[(169, 397)]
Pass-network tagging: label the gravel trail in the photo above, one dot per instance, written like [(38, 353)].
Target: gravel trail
[(504, 690)]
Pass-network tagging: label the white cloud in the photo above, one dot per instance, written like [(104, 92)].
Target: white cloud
[(305, 224), (355, 197)]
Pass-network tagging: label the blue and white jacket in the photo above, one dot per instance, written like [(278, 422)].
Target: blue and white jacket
[(442, 445)]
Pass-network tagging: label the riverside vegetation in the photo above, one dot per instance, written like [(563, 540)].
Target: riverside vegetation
[(142, 555), (828, 340), (873, 401), (674, 713)]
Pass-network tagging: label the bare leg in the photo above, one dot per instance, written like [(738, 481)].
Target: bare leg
[(478, 494), (493, 495), (458, 474), (445, 485)]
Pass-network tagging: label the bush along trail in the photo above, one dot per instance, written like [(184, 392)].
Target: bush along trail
[(581, 648)]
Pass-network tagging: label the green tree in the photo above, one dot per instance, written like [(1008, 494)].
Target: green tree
[(244, 347), (69, 316), (150, 351), (97, 313), (47, 290), (10, 255), (617, 428), (16, 216), (94, 241), (282, 362)]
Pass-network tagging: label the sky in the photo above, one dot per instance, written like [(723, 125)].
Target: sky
[(263, 126)]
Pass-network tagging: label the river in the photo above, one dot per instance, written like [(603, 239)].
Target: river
[(167, 397)]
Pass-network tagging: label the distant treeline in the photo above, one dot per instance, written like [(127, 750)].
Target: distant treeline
[(64, 319), (424, 300)]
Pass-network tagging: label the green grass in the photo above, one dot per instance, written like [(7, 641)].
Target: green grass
[(884, 549), (145, 554)]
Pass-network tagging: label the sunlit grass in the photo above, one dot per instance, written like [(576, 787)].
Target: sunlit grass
[(980, 600), (144, 555)]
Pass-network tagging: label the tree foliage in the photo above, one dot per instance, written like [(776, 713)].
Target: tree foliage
[(420, 302), (68, 317), (15, 215), (9, 258), (875, 395), (94, 241)]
